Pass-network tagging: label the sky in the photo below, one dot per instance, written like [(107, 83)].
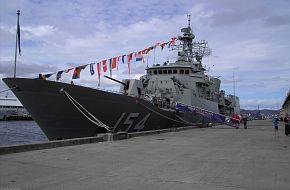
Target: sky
[(250, 40)]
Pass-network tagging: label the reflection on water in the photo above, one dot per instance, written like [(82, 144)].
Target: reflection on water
[(20, 132)]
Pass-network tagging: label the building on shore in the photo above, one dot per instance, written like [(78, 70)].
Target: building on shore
[(11, 108), (286, 105)]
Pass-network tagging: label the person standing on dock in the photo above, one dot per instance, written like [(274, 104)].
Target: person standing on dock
[(235, 119), (287, 127), (275, 123), (245, 119)]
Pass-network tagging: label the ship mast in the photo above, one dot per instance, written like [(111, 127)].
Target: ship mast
[(188, 50), (188, 16), (185, 55)]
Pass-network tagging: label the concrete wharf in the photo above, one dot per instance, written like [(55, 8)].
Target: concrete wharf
[(220, 157)]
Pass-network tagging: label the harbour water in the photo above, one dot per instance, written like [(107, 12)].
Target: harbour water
[(20, 132)]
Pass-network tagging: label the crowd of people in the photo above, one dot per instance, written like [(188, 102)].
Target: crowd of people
[(236, 120), (285, 119)]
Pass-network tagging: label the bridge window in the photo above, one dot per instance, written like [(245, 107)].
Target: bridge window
[(164, 71), (187, 72), (169, 71), (181, 71), (155, 72), (174, 71), (160, 72)]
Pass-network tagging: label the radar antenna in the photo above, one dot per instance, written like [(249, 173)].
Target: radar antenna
[(201, 48)]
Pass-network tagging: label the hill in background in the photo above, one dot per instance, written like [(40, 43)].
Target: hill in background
[(259, 114)]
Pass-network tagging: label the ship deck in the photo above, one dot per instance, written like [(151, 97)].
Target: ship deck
[(202, 158)]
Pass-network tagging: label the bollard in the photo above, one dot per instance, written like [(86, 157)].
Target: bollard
[(108, 137)]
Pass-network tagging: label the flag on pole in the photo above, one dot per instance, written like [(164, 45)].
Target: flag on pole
[(118, 61), (17, 42), (58, 75), (104, 65), (41, 76), (114, 62), (148, 49), (123, 57), (18, 33), (144, 51), (139, 56), (48, 75), (172, 41), (129, 57), (99, 72), (77, 71), (110, 65), (163, 45), (92, 68), (68, 70)]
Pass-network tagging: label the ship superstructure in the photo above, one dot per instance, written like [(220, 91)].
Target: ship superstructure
[(184, 80)]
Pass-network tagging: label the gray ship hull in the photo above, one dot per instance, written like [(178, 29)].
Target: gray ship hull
[(60, 119)]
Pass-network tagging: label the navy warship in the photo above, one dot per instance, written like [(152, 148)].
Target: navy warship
[(171, 94)]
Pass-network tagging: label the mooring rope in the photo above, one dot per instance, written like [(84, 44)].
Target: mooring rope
[(182, 122), (85, 110), (96, 121), (8, 89)]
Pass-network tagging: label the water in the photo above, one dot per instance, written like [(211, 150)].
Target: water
[(20, 132)]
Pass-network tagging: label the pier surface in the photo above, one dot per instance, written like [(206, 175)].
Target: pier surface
[(203, 158)]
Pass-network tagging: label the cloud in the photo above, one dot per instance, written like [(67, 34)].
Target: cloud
[(277, 20), (24, 69), (252, 104), (30, 31), (39, 31)]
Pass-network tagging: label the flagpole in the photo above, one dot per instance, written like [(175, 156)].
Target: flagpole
[(234, 86), (18, 13)]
